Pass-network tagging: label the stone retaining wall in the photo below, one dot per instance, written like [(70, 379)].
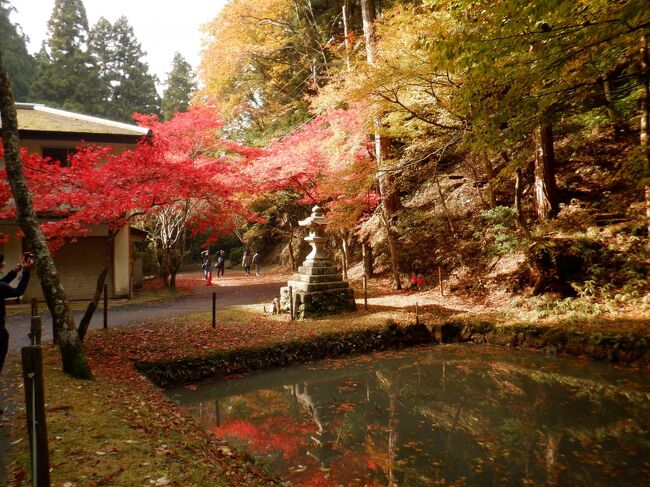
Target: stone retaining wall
[(629, 349)]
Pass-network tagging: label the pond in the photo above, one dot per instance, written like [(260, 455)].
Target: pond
[(437, 415)]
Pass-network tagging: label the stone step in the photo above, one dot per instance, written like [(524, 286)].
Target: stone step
[(611, 218), (317, 286), (316, 271), (317, 277)]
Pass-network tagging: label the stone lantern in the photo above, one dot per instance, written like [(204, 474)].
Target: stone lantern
[(318, 289)]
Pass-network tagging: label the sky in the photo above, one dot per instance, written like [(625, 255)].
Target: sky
[(162, 26)]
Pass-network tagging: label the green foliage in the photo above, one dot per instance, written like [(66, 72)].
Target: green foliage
[(180, 87), (20, 65), (604, 277), (635, 167), (235, 256), (278, 215), (573, 218), (500, 233)]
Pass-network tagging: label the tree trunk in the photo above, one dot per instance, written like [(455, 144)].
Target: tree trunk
[(520, 216), (170, 267), (346, 38), (176, 261), (445, 208), (389, 200), (344, 260), (368, 14), (611, 111), (73, 356), (99, 286), (292, 257), (172, 281), (180, 256), (368, 268), (644, 138), (489, 171), (162, 269), (545, 187), (477, 185)]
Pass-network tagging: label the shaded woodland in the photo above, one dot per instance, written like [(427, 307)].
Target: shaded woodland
[(505, 143)]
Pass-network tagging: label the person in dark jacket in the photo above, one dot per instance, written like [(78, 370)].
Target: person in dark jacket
[(8, 291), (221, 262)]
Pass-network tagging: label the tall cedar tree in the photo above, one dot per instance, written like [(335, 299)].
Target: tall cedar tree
[(20, 65), (118, 55), (101, 46), (73, 356), (70, 80), (180, 87)]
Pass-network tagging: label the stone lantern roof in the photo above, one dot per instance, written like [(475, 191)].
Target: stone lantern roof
[(316, 218)]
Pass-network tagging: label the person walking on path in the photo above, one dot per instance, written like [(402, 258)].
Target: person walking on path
[(8, 291), (246, 262), (256, 263), (221, 262), (205, 263)]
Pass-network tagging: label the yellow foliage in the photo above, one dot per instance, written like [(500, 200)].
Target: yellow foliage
[(243, 31)]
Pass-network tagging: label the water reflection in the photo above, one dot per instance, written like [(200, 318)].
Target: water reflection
[(445, 415)]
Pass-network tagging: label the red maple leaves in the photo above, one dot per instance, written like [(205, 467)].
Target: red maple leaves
[(186, 158)]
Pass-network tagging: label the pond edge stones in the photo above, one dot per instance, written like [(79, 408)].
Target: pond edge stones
[(318, 289)]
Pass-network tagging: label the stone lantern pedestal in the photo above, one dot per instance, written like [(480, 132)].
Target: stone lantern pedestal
[(318, 289)]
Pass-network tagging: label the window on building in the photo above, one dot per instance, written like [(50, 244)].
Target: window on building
[(60, 154)]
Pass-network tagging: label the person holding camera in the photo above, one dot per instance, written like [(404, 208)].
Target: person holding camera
[(8, 291)]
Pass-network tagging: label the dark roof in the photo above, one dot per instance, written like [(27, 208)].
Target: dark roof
[(37, 121)]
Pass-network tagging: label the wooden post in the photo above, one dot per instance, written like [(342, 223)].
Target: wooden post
[(214, 310), (36, 426), (105, 305), (35, 330), (34, 307), (417, 314), (365, 292), (291, 301), (440, 279)]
